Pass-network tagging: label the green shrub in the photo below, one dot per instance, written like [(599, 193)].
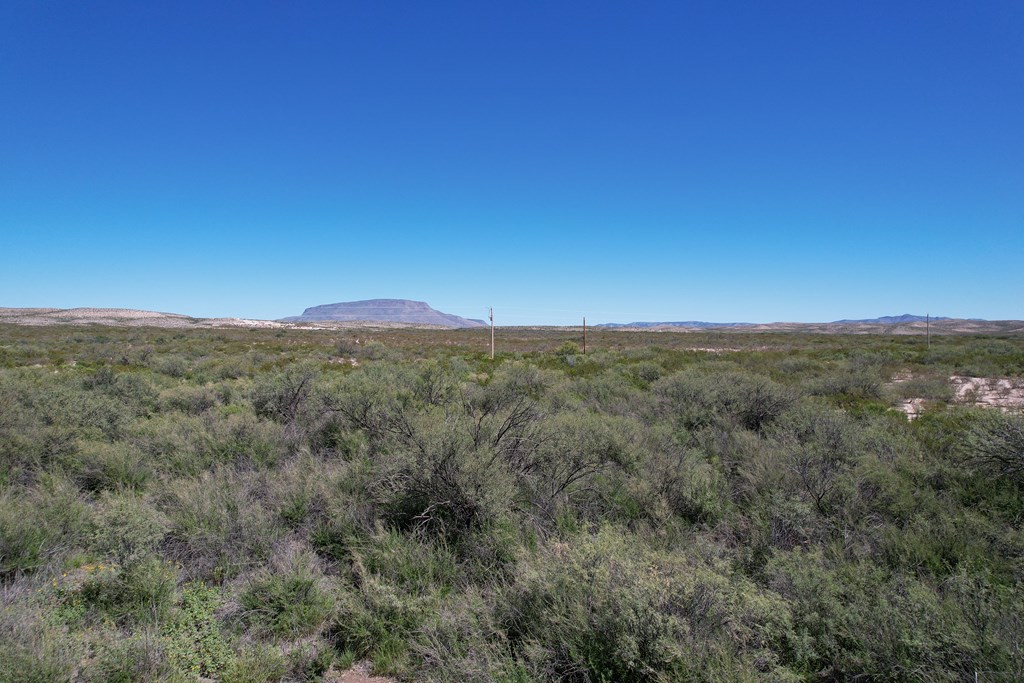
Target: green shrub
[(696, 398), (192, 400), (610, 610), (126, 528), (33, 650), (217, 525), (819, 445), (256, 664), (996, 443), (283, 396), (140, 593), (576, 450), (91, 414), (133, 659), (464, 643), (856, 619), (172, 365), (686, 483), (416, 566), (289, 604), (173, 443), (195, 644), (851, 385), (39, 525), (346, 346), (615, 393), (241, 438), (135, 391), (380, 622), (929, 388), (375, 350), (98, 466)]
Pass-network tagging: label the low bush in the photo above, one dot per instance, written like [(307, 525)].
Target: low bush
[(142, 593), (602, 609), (136, 658), (287, 604), (40, 525), (32, 650), (126, 529), (194, 641), (100, 466), (256, 664), (696, 398), (217, 526), (996, 443)]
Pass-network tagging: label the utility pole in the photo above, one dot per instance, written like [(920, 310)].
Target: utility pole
[(584, 335), (928, 329), (491, 315)]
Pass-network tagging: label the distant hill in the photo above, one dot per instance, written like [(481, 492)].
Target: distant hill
[(687, 323), (906, 324), (896, 319), (884, 320), (382, 310)]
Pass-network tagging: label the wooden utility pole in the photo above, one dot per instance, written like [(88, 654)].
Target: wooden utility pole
[(491, 315), (584, 335), (928, 329)]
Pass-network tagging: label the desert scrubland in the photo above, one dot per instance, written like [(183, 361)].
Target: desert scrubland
[(281, 504)]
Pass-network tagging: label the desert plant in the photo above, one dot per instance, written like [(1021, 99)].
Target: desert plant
[(996, 442), (282, 396), (194, 641), (288, 603), (217, 525), (32, 650), (256, 664)]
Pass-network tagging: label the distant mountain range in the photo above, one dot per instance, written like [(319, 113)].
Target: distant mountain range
[(687, 323), (400, 313), (884, 320), (389, 310), (897, 319)]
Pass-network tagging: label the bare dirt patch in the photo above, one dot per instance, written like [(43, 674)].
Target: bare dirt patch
[(359, 673), (994, 392), (987, 392), (913, 407)]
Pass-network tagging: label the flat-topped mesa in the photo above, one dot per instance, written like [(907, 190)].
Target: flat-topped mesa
[(382, 310)]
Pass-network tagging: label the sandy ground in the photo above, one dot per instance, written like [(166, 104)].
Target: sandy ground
[(994, 392), (360, 673), (988, 392), (913, 407)]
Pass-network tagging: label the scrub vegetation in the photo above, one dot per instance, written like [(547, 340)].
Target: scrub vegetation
[(267, 505)]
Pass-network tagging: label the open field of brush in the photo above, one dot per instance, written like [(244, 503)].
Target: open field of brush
[(262, 505)]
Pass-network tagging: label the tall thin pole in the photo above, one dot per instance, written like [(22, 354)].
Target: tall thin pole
[(928, 329), (584, 335), (491, 314)]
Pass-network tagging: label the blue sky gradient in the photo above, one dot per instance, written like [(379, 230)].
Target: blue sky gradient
[(718, 161)]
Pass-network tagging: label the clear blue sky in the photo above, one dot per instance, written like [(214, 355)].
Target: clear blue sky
[(718, 160)]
